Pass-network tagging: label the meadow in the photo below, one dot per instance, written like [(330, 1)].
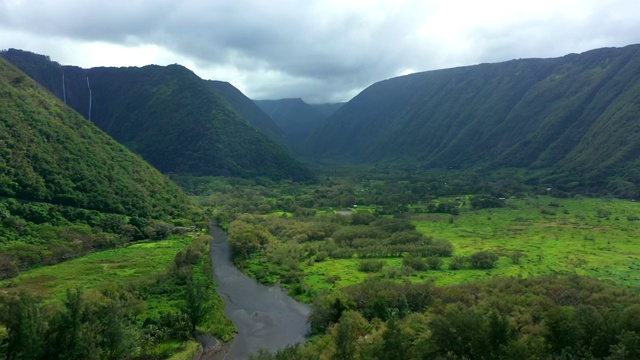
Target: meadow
[(148, 271), (105, 268), (532, 236)]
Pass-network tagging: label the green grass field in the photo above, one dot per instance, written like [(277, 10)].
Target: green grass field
[(592, 237), (116, 266)]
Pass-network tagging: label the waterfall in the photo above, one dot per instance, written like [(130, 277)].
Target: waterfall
[(89, 86), (64, 90)]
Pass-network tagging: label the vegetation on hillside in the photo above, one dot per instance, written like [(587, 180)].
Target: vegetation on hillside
[(67, 191), (49, 153), (246, 108), (67, 188), (571, 121), (173, 119)]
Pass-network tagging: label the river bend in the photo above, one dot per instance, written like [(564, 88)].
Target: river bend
[(266, 317)]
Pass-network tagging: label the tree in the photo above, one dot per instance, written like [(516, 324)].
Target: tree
[(73, 334), (561, 331), (515, 256), (394, 346), (118, 335), (346, 333), (197, 300), (22, 316), (460, 332)]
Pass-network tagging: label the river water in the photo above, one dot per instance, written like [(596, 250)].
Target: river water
[(266, 317)]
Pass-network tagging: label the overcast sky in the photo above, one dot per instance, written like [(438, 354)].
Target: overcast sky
[(320, 50)]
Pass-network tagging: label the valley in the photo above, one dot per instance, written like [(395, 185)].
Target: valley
[(479, 212)]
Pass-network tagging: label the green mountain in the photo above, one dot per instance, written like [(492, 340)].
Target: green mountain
[(49, 153), (176, 121), (246, 108), (297, 119), (575, 117)]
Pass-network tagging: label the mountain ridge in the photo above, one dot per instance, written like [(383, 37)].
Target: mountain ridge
[(51, 154), (529, 113), (172, 118), (297, 119), (250, 111)]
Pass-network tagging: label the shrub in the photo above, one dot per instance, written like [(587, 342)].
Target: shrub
[(457, 263), (321, 256), (516, 256), (486, 201), (416, 263), (440, 247), (371, 265), (483, 260), (544, 211), (434, 263)]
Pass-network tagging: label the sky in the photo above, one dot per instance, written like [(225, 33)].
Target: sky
[(318, 50)]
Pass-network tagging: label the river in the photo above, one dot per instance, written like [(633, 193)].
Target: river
[(266, 317)]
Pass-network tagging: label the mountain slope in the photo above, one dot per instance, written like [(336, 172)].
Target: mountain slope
[(576, 115), (296, 118), (49, 153), (246, 108), (327, 109), (169, 116)]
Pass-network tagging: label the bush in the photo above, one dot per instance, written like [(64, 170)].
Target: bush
[(440, 248), (416, 263), (544, 211), (159, 230), (434, 263), (457, 263), (321, 256), (371, 265), (483, 260)]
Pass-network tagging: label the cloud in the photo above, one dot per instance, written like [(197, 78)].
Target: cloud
[(322, 50)]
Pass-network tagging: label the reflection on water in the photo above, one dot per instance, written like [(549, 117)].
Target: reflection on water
[(266, 317)]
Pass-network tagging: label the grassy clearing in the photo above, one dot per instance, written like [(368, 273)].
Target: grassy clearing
[(592, 237), (132, 265), (116, 266), (186, 351)]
